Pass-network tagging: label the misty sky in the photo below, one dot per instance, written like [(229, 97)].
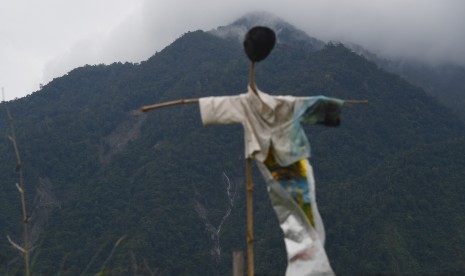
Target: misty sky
[(42, 40)]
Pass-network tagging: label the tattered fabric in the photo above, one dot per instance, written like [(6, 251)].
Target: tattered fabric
[(275, 138)]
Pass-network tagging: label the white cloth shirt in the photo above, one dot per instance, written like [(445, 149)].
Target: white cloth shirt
[(270, 122)]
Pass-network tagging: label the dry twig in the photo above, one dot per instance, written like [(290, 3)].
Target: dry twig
[(20, 185)]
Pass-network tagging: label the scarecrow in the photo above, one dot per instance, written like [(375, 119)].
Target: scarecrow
[(275, 139)]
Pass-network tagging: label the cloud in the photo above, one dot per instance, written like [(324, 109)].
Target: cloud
[(51, 37), (426, 30)]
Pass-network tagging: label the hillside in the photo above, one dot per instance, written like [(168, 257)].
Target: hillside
[(403, 215), (446, 82), (157, 179)]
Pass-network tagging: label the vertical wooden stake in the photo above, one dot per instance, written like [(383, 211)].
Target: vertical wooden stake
[(238, 263), (252, 77), (248, 173), (248, 176)]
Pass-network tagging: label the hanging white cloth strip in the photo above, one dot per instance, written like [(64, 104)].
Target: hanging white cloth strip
[(304, 243)]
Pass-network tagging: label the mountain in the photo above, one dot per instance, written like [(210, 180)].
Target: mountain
[(285, 32), (408, 209), (446, 82), (389, 179)]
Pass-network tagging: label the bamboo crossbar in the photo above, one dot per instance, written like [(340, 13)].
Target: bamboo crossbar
[(355, 101), (185, 101), (159, 105)]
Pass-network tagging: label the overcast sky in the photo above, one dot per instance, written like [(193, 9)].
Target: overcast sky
[(42, 40)]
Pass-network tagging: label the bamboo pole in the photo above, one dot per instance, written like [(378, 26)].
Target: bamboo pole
[(355, 102), (185, 101), (248, 176), (250, 256), (252, 77), (159, 105)]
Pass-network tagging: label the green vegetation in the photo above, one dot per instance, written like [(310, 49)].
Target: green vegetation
[(389, 179), (446, 82)]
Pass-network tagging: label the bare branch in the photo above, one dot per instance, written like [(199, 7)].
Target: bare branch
[(19, 188), (16, 246), (20, 185)]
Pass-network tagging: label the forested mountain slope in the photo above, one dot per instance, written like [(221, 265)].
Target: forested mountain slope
[(160, 179), (446, 82)]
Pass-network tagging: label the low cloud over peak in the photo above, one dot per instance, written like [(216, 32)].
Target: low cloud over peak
[(49, 40)]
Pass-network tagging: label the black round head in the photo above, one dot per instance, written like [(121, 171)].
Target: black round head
[(258, 43)]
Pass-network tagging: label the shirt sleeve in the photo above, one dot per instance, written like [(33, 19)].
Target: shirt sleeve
[(320, 110), (220, 110)]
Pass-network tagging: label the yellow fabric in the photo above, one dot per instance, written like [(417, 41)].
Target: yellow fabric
[(295, 171)]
